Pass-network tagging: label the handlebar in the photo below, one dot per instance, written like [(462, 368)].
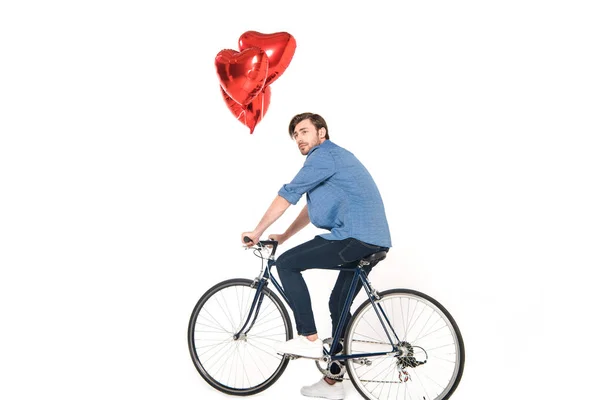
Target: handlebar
[(264, 243)]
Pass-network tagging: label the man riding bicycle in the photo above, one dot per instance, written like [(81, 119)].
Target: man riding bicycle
[(341, 197)]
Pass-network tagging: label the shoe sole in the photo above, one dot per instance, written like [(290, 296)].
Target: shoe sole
[(322, 397)]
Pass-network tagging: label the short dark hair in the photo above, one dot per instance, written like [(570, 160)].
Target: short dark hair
[(316, 120)]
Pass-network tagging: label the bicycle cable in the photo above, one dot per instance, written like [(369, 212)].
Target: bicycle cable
[(257, 251)]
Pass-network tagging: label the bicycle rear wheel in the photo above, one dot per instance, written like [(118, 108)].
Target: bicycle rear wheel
[(431, 361), (246, 365)]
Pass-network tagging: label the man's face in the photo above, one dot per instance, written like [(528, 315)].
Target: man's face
[(307, 136)]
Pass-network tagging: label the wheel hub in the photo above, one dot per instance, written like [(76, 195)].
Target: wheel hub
[(406, 357), (405, 349), (241, 336)]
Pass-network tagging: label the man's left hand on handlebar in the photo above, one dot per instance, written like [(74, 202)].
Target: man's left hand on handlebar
[(279, 238)]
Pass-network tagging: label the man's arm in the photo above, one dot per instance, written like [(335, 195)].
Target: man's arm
[(299, 223), (275, 210)]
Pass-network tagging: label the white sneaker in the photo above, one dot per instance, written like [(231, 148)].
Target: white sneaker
[(324, 390), (301, 346)]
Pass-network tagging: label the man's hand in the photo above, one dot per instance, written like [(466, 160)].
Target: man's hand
[(254, 237), (279, 238)]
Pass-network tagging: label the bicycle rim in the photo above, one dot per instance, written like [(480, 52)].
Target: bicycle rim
[(426, 332), (249, 364)]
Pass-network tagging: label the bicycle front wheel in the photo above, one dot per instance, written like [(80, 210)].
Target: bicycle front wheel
[(247, 364), (430, 355)]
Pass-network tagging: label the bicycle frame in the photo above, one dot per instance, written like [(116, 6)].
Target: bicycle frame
[(359, 276)]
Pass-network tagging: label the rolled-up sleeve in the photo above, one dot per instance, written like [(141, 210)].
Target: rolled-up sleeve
[(317, 168)]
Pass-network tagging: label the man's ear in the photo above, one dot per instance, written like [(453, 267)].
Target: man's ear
[(322, 132)]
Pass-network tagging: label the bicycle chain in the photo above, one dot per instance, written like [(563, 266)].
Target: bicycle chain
[(335, 377), (342, 373)]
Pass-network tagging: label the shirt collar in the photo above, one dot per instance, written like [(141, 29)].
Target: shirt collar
[(326, 143)]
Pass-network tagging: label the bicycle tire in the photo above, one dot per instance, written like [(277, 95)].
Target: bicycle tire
[(200, 340), (395, 371)]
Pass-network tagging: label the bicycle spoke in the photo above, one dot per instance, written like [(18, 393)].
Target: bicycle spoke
[(201, 324), (207, 320), (211, 345), (409, 318), (216, 347), (250, 349), (432, 329), (388, 324), (393, 314), (412, 323), (276, 318), (259, 333), (440, 386), (425, 324), (442, 346), (218, 323), (230, 369), (266, 338), (225, 309), (244, 363), (281, 337), (398, 392), (249, 300), (263, 312), (375, 380), (267, 352), (453, 360), (237, 298), (225, 356), (372, 338), (388, 378), (373, 329), (237, 367)]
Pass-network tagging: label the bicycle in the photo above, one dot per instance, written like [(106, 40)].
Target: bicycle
[(399, 342)]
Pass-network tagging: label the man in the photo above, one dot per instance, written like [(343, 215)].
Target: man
[(341, 198)]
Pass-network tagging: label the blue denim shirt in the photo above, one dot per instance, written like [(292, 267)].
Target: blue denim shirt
[(341, 196)]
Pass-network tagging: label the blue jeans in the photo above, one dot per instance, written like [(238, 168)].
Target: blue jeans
[(323, 254)]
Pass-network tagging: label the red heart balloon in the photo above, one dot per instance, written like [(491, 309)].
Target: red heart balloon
[(279, 47), (251, 114), (242, 74)]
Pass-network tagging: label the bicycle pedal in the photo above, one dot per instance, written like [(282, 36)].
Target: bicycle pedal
[(289, 356)]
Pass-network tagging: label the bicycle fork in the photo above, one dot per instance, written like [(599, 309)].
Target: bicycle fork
[(254, 309)]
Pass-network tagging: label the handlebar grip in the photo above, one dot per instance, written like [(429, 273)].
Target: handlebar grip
[(247, 239)]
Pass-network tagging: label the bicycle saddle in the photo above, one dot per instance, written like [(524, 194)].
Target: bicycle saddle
[(380, 255)]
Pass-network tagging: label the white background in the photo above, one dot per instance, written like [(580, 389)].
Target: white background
[(125, 182)]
